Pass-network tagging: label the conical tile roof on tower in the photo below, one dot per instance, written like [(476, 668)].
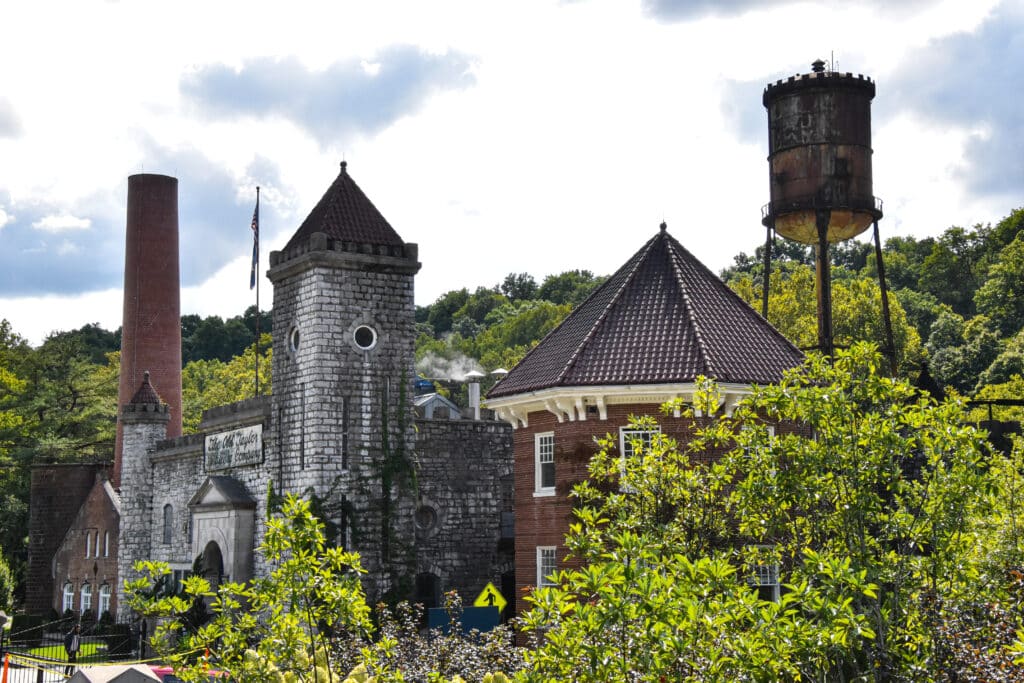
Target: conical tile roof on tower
[(663, 317)]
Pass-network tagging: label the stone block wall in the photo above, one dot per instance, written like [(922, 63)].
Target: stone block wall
[(332, 398), (465, 485)]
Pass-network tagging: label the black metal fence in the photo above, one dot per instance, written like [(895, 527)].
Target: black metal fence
[(34, 651)]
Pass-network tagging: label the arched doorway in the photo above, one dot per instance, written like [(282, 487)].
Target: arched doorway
[(212, 566)]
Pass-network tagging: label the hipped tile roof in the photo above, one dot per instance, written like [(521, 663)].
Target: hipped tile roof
[(344, 213), (146, 393), (661, 318)]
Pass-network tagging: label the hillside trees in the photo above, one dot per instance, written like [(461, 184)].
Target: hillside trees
[(209, 383), (873, 504)]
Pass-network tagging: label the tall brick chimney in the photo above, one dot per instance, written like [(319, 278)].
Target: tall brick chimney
[(151, 323)]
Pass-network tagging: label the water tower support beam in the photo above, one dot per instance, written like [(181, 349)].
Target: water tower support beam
[(890, 349), (767, 272), (824, 273)]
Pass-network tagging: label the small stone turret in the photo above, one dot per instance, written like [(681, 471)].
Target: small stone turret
[(144, 419)]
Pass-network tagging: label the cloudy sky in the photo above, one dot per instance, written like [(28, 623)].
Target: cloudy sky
[(528, 136)]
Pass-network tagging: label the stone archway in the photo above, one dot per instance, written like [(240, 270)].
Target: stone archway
[(212, 564)]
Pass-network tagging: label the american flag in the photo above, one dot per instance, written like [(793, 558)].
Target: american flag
[(255, 241)]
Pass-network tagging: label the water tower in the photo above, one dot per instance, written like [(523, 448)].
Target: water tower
[(819, 157)]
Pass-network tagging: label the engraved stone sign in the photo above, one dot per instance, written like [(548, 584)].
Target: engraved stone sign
[(243, 446)]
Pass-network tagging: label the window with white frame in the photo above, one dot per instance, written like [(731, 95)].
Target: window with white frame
[(106, 544), (764, 575), (96, 547), (104, 603), (85, 599), (88, 543), (68, 597), (630, 439), (544, 463), (546, 565)]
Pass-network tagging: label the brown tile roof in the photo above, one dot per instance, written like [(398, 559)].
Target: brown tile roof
[(345, 213), (662, 318), (146, 392)]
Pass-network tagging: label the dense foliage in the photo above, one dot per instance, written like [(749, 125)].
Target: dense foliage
[(894, 532), (307, 620), (960, 292)]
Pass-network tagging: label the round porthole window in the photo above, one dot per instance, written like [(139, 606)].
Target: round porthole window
[(293, 339), (365, 337), (426, 518)]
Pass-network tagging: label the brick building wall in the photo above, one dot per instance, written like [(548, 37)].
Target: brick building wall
[(57, 492), (543, 520), (86, 561)]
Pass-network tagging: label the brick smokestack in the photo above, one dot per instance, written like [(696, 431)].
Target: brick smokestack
[(151, 323)]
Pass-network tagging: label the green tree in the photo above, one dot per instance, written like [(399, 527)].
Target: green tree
[(570, 287), (290, 625), (443, 310), (856, 311), (519, 287), (953, 271), (6, 584), (961, 351), (206, 384), (306, 620), (515, 325), (865, 500), (1001, 297)]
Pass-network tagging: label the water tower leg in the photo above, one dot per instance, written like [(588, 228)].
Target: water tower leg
[(767, 272), (824, 273), (890, 348)]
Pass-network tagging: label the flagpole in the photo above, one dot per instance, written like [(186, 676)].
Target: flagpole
[(256, 263)]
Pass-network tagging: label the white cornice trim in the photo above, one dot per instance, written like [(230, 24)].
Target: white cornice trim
[(571, 403)]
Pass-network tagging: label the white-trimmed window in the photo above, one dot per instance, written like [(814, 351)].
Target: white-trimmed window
[(544, 464), (106, 544), (88, 543), (629, 437), (96, 547), (104, 603), (85, 599), (764, 575), (546, 565), (67, 597)]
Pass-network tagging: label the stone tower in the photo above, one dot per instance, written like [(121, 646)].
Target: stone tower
[(343, 369), (151, 323), (145, 421)]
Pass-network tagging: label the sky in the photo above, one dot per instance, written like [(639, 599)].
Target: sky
[(505, 137)]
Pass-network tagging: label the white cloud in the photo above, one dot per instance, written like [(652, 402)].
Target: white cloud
[(65, 248), (587, 124), (61, 223), (5, 217)]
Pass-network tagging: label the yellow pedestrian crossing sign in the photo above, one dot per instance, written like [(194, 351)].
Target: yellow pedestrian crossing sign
[(491, 597)]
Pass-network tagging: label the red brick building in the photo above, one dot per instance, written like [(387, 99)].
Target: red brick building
[(641, 339)]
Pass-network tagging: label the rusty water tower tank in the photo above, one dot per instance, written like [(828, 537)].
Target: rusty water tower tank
[(819, 156)]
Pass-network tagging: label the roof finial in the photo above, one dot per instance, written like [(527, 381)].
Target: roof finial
[(145, 376), (663, 226), (817, 66), (344, 165)]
